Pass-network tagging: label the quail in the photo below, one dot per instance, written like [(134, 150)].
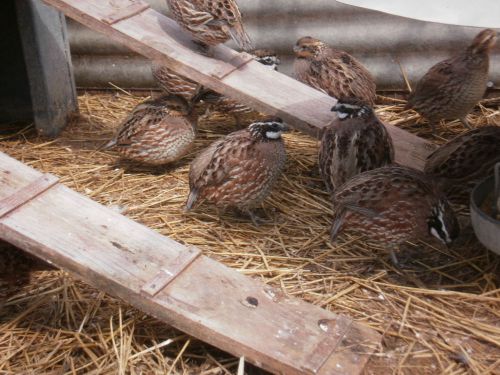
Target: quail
[(461, 163), (451, 88), (333, 71), (391, 205), (239, 170), (355, 141), (173, 83), (211, 22), (230, 106), (157, 132)]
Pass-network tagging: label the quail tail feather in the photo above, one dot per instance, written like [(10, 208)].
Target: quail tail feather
[(241, 37), (108, 145)]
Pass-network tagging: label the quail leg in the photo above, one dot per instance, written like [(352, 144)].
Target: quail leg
[(394, 259), (256, 219), (433, 126), (464, 121)]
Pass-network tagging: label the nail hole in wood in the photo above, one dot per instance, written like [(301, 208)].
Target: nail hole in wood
[(251, 302)]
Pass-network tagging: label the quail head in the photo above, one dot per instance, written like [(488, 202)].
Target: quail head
[(451, 88), (158, 131), (465, 160), (391, 205), (211, 22), (333, 71), (224, 104), (355, 141), (240, 169)]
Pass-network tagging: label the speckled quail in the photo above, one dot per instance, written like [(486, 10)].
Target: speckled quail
[(230, 106), (391, 205), (465, 160), (451, 88), (173, 83), (355, 141), (333, 71), (240, 169), (190, 90), (158, 131), (211, 22)]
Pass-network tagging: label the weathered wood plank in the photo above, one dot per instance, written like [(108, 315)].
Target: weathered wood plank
[(48, 65), (202, 297), (157, 37)]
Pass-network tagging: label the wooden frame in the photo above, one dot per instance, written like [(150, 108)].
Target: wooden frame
[(175, 283)]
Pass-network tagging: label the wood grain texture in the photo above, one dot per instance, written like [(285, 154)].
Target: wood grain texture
[(205, 299), (158, 37), (48, 65)]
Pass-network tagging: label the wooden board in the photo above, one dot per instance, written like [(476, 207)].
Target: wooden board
[(157, 37), (175, 283), (48, 65)]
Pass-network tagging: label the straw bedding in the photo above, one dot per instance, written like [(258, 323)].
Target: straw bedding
[(442, 315)]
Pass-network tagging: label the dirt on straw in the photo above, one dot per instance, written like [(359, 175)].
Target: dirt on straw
[(440, 316)]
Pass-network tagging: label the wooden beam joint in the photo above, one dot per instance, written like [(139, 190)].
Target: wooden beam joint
[(163, 278), (27, 193), (236, 63), (136, 7)]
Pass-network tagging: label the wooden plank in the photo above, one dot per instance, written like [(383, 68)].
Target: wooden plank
[(201, 296), (25, 194), (48, 64), (158, 37)]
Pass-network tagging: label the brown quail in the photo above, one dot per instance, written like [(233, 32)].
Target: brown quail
[(451, 88), (173, 83), (465, 160), (239, 170), (158, 131), (391, 205), (356, 141), (211, 22), (333, 71), (230, 106)]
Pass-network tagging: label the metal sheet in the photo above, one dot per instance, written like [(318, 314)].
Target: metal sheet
[(478, 13), (379, 40)]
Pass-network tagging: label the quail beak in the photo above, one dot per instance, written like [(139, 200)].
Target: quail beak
[(285, 127)]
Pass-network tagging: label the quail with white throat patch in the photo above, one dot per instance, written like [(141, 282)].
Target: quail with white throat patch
[(211, 22), (239, 170), (157, 132), (355, 141), (332, 71), (451, 88), (392, 205)]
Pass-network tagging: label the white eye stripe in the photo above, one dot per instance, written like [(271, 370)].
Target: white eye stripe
[(435, 233), (342, 115), (443, 225)]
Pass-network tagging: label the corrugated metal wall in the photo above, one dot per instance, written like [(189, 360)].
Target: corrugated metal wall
[(379, 40)]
